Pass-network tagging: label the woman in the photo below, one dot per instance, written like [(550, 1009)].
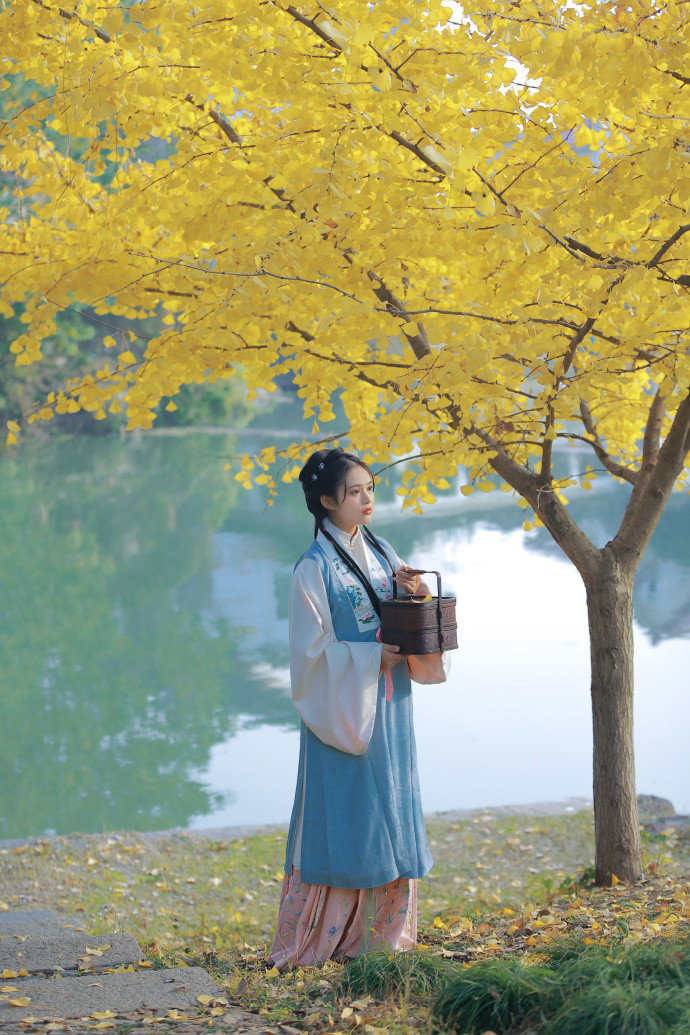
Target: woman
[(357, 841)]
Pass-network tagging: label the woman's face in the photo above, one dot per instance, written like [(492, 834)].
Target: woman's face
[(355, 502)]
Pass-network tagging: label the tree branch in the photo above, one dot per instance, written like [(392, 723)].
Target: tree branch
[(545, 472), (668, 244), (649, 497), (419, 342), (652, 432), (576, 340), (220, 120), (676, 75), (546, 505), (69, 15), (309, 23), (614, 468)]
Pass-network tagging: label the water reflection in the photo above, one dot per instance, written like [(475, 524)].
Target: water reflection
[(143, 637), (115, 684)]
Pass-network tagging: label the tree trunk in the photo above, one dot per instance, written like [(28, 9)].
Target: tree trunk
[(610, 612)]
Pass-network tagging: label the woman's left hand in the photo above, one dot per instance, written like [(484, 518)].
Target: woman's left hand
[(408, 579)]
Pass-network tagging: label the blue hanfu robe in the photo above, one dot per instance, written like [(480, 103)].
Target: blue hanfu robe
[(357, 818)]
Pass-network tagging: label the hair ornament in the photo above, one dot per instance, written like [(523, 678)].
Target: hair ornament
[(313, 477), (321, 467)]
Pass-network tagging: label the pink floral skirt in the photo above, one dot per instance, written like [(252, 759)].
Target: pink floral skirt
[(317, 923)]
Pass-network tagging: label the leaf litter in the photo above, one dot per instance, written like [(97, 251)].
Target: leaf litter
[(501, 888)]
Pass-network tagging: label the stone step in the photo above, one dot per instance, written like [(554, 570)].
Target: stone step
[(32, 920), (45, 949), (176, 988)]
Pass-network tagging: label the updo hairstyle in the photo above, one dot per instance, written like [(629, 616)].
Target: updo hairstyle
[(325, 474)]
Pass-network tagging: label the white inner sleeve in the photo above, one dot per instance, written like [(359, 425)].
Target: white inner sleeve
[(334, 682)]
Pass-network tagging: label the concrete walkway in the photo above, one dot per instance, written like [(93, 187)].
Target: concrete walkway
[(57, 977)]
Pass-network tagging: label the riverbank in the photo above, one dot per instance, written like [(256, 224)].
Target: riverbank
[(549, 808), (504, 881), (219, 888)]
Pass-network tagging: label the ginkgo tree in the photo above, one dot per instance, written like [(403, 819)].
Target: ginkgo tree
[(470, 225)]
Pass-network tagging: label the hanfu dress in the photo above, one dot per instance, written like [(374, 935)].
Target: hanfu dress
[(357, 842)]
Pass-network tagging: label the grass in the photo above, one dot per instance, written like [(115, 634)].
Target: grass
[(495, 995), (576, 989), (381, 974), (509, 892)]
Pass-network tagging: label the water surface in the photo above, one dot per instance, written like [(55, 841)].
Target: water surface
[(143, 642)]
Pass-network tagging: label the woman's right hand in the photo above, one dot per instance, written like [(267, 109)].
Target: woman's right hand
[(390, 656)]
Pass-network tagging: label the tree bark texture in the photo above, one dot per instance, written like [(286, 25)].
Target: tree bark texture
[(610, 613), (608, 575)]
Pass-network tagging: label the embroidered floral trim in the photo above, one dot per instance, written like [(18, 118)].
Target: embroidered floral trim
[(364, 613)]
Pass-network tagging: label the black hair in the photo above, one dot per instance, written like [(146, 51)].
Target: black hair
[(324, 473)]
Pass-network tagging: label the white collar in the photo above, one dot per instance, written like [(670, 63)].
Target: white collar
[(345, 539)]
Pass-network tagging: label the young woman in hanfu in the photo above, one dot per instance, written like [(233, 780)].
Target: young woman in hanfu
[(357, 842)]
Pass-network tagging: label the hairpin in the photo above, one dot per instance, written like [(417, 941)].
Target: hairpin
[(313, 477), (321, 467)]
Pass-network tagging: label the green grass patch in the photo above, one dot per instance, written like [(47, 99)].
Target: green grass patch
[(575, 989), (629, 1008), (496, 995), (382, 973)]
